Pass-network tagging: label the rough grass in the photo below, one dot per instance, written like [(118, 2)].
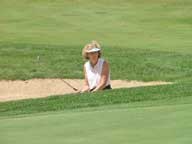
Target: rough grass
[(26, 61), (58, 103)]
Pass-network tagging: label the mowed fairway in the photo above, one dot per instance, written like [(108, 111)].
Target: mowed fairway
[(145, 40), (166, 124)]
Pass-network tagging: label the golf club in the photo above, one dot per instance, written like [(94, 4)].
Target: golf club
[(75, 89)]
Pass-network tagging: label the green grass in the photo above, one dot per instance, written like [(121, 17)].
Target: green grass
[(142, 40), (59, 103), (163, 24), (148, 40), (20, 61), (169, 124)]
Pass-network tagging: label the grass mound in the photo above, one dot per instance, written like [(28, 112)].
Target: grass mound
[(119, 96), (138, 123)]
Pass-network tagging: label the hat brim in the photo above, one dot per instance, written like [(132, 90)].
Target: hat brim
[(93, 50)]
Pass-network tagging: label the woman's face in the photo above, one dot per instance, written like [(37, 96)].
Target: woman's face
[(93, 57)]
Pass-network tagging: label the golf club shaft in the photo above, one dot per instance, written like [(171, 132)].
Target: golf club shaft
[(75, 89)]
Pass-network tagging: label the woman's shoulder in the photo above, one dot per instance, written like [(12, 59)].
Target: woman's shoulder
[(86, 64), (104, 61)]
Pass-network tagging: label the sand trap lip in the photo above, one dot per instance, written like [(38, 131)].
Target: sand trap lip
[(37, 88)]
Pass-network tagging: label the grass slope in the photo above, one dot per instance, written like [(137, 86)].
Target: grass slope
[(59, 103), (120, 124)]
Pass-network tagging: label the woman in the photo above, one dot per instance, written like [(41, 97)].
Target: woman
[(96, 69)]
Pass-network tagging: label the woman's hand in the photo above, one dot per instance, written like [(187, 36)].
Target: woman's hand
[(84, 89)]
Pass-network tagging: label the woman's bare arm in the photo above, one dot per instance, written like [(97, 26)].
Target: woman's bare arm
[(104, 77)]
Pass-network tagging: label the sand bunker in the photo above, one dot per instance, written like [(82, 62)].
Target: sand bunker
[(36, 88)]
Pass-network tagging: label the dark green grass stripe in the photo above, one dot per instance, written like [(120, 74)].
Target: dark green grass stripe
[(57, 103), (20, 61)]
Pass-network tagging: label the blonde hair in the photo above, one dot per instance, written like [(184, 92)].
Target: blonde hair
[(89, 46)]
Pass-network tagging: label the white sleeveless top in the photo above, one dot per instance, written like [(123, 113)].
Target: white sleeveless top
[(94, 73)]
